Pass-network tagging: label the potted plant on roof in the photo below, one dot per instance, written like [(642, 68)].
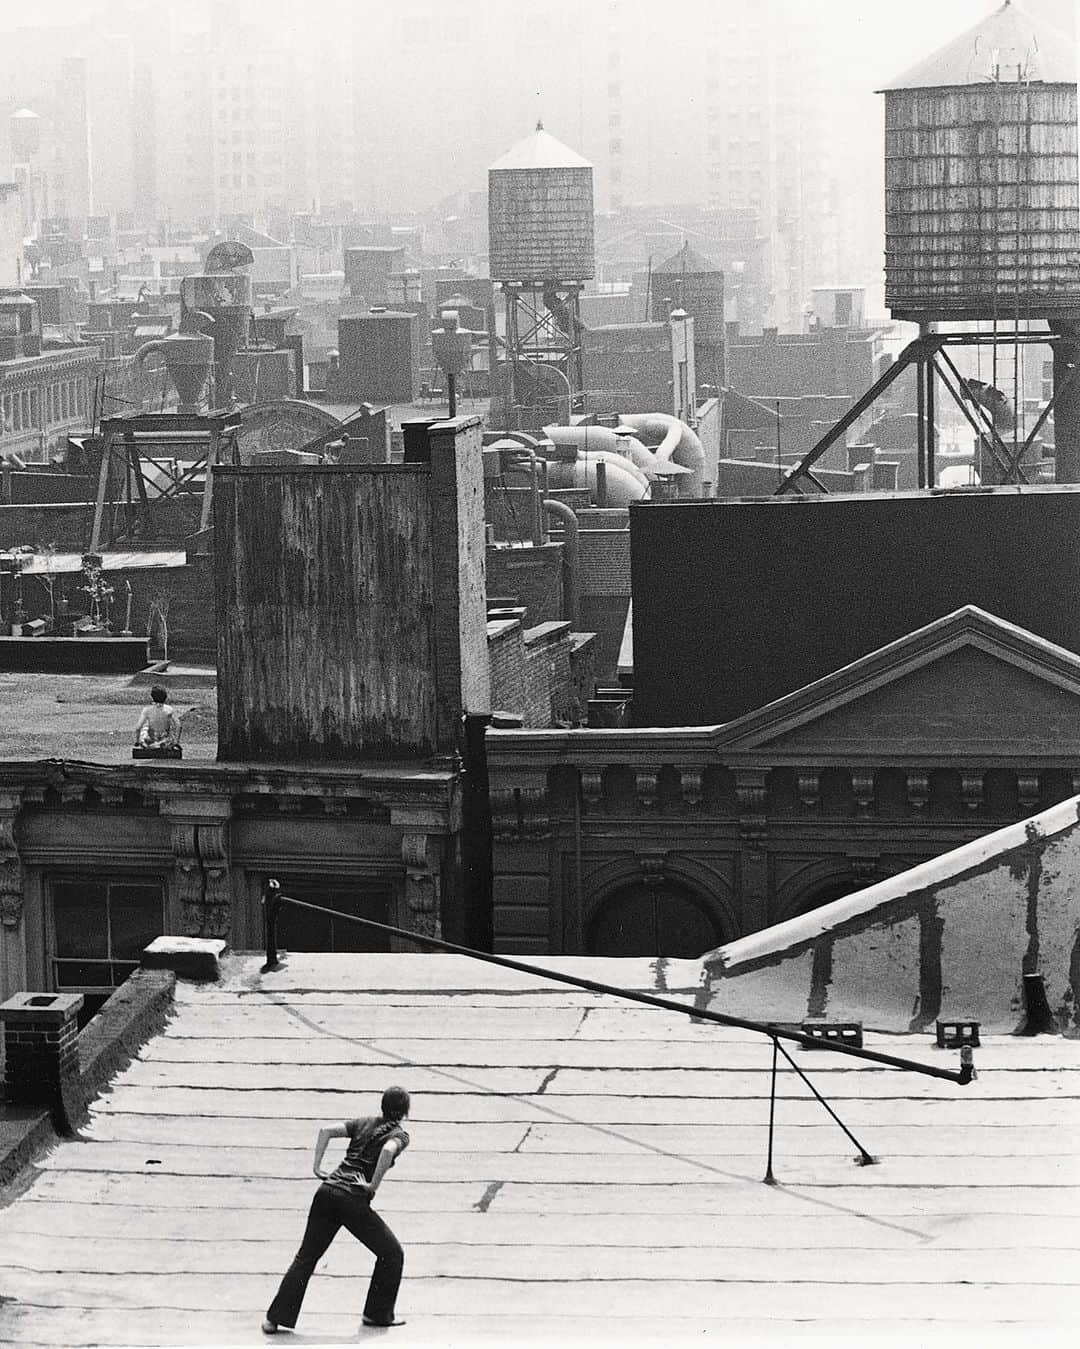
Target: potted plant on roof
[(99, 594), (48, 579), (16, 562)]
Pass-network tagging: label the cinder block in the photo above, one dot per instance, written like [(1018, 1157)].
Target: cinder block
[(838, 1032), (188, 957), (957, 1034)]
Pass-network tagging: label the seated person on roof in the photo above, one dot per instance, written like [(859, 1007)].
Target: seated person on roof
[(159, 726)]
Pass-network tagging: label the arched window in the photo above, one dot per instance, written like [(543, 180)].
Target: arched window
[(653, 920)]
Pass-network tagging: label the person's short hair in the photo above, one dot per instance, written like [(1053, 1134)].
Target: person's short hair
[(159, 693), (395, 1103)]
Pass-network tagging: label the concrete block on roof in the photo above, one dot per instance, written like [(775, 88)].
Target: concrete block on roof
[(40, 1009), (189, 957)]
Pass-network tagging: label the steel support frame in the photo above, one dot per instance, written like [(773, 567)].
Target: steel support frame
[(539, 341), (928, 353), (121, 437)]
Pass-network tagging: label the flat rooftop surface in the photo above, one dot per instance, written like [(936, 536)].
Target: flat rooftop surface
[(582, 1170), (92, 717)]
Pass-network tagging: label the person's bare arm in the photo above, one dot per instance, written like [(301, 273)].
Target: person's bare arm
[(325, 1135), (389, 1151), (140, 724)]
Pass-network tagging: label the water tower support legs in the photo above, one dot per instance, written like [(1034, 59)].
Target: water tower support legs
[(103, 483), (1004, 469), (931, 425), (1066, 403), (920, 418)]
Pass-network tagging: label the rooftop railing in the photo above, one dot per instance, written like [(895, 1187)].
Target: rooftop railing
[(273, 898)]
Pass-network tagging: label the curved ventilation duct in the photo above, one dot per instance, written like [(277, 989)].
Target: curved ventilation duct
[(675, 442), (623, 458), (622, 483)]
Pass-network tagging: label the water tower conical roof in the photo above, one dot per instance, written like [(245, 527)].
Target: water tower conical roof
[(25, 114), (541, 150), (689, 262), (995, 48)]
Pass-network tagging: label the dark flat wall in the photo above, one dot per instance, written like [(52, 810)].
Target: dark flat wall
[(738, 603), (31, 488)]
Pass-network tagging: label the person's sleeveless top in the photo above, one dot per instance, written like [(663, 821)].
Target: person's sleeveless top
[(366, 1139)]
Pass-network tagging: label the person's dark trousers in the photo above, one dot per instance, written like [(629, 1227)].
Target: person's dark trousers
[(332, 1209)]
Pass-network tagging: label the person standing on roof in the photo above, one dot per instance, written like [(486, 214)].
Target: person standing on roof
[(344, 1200)]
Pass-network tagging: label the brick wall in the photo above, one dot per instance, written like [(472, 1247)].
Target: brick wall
[(584, 650), (537, 673), (506, 663), (605, 562), (547, 674), (532, 576), (630, 359), (459, 566), (606, 517)]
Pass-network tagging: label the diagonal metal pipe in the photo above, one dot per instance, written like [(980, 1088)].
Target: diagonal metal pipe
[(273, 898)]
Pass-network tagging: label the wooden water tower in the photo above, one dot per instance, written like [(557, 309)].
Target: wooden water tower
[(982, 205), (541, 251)]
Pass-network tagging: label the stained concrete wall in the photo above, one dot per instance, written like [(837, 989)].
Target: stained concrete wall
[(950, 938)]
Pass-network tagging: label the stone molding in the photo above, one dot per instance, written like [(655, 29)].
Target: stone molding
[(11, 872), (202, 885), (421, 855)]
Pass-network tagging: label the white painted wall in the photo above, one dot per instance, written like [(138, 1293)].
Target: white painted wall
[(984, 894)]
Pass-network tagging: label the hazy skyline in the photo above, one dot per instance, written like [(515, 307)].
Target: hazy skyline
[(214, 109)]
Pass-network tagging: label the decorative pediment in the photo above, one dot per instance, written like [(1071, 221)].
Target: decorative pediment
[(969, 684)]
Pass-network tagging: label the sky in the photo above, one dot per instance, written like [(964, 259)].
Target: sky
[(898, 29)]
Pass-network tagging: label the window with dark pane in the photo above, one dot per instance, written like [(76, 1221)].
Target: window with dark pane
[(302, 930), (100, 927)]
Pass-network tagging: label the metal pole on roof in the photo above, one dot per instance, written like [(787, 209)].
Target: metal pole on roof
[(779, 456)]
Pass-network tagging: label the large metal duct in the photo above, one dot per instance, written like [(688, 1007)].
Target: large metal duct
[(640, 457), (590, 438), (623, 483), (675, 443), (594, 443)]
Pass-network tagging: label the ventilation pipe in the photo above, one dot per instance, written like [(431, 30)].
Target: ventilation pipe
[(187, 357), (624, 483), (571, 563), (583, 439), (516, 457), (675, 442), (639, 456)]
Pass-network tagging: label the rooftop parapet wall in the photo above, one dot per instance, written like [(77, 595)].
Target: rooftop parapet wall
[(952, 937)]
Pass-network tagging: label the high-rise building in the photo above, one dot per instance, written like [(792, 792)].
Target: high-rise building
[(72, 179)]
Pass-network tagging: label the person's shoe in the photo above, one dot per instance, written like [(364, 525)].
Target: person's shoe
[(269, 1327), (382, 1324)]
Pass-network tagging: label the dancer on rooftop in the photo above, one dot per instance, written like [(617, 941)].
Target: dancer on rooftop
[(344, 1200)]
